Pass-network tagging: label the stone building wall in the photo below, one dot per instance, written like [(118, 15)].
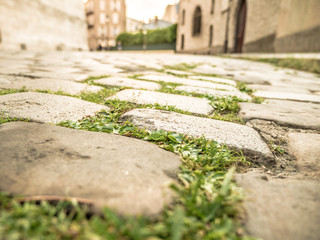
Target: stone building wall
[(42, 25), (261, 25), (299, 26)]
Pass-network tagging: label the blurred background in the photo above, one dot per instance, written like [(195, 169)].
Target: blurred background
[(186, 26)]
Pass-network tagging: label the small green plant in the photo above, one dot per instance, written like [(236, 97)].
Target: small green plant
[(11, 91), (99, 97), (277, 148), (243, 88)]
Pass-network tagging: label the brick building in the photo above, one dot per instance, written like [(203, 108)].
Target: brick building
[(42, 25), (217, 26), (106, 19)]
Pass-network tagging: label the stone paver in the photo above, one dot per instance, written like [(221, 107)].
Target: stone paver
[(57, 75), (190, 104), (214, 92), (190, 82), (280, 209), (288, 96), (54, 85), (231, 134), (271, 88), (306, 148), (126, 174), (128, 82), (44, 107), (285, 113), (215, 79)]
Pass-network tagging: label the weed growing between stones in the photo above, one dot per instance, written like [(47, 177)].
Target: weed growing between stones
[(11, 91)]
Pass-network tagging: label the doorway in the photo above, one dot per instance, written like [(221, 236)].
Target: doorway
[(241, 26)]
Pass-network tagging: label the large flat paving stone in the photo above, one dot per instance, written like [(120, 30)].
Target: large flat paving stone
[(42, 107), (215, 79), (232, 134), (128, 82), (288, 96), (55, 85), (190, 82), (214, 92), (126, 174), (280, 209), (306, 148), (190, 104), (285, 113)]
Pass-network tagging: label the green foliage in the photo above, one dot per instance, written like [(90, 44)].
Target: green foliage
[(158, 36)]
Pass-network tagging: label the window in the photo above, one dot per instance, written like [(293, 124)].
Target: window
[(112, 5), (115, 18), (102, 18), (118, 5), (115, 31), (197, 22), (211, 36), (183, 16), (212, 6), (102, 5), (182, 41)]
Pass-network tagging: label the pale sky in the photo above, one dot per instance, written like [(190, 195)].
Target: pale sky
[(144, 10)]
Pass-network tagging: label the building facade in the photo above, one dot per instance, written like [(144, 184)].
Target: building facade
[(220, 26), (42, 25), (171, 14), (133, 25), (106, 19)]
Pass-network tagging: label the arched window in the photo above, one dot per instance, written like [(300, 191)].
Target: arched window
[(197, 21)]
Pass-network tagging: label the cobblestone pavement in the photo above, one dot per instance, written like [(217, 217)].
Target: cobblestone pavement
[(280, 135)]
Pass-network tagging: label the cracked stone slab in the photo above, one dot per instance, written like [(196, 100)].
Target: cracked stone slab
[(190, 82), (54, 85), (232, 134), (215, 79), (288, 96), (128, 82), (190, 104), (280, 209), (42, 107), (125, 174), (306, 149), (285, 113), (214, 92)]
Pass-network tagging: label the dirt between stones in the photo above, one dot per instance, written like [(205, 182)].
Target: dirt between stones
[(276, 137)]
